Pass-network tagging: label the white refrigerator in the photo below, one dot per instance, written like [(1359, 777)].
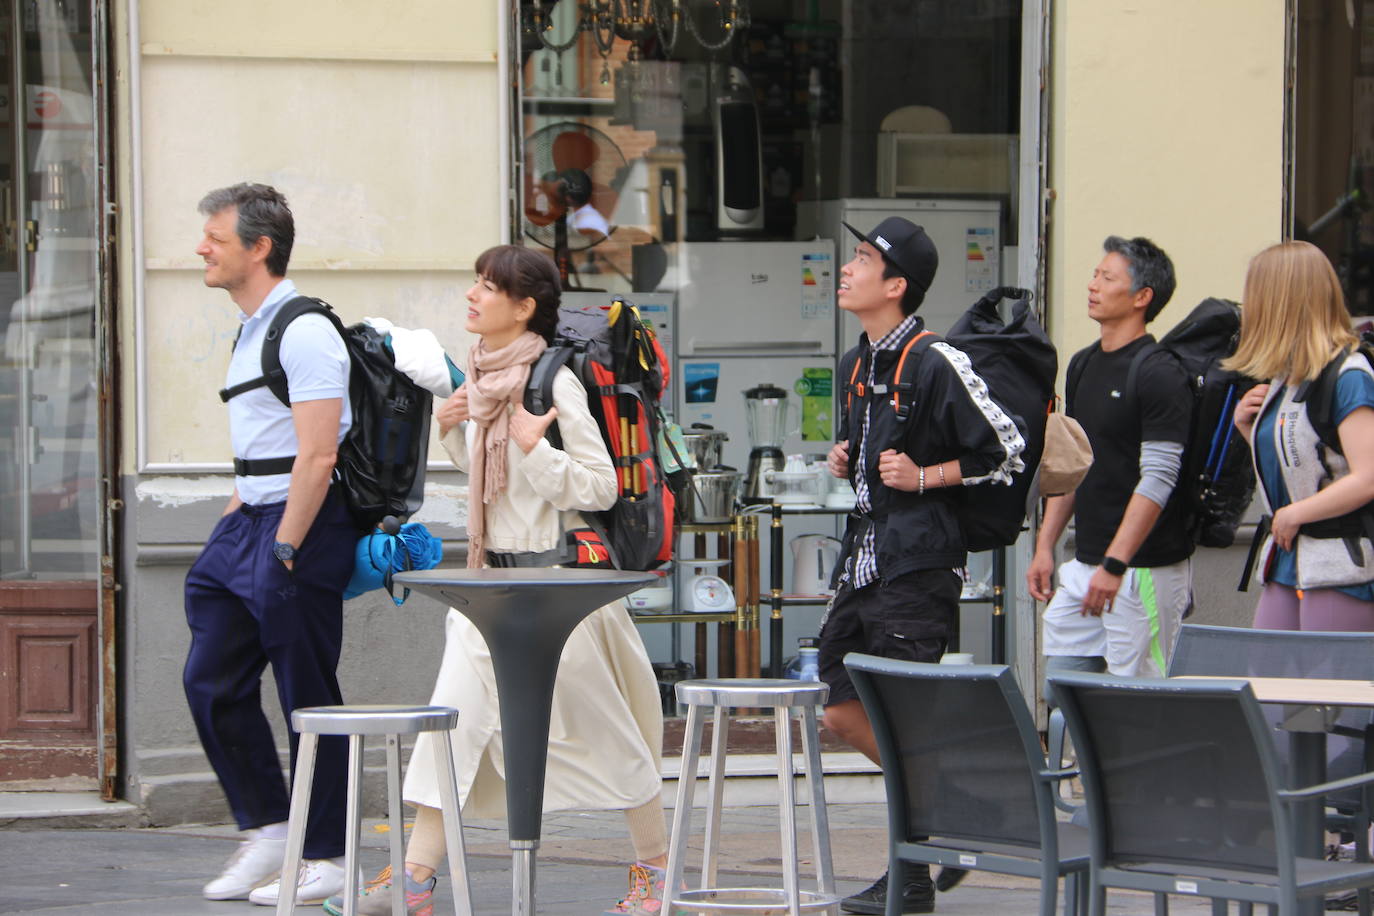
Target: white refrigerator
[(966, 233), (750, 313), (753, 313)]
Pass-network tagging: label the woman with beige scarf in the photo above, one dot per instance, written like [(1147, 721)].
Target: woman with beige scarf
[(606, 733)]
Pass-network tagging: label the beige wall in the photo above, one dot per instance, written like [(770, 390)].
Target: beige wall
[(378, 121), (1166, 121)]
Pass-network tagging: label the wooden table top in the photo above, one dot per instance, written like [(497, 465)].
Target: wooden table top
[(1310, 691)]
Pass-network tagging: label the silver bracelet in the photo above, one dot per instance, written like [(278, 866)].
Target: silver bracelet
[(920, 480)]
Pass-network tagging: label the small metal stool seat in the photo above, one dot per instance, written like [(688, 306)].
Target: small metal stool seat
[(358, 722), (781, 696)]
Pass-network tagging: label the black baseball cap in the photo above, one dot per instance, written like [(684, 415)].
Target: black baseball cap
[(905, 246)]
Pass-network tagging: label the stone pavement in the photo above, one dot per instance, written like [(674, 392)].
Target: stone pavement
[(50, 869)]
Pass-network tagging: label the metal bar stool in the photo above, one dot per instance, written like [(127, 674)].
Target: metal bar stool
[(781, 696), (357, 722)]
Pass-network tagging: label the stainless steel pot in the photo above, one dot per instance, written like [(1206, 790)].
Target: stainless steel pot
[(713, 495), (706, 445)]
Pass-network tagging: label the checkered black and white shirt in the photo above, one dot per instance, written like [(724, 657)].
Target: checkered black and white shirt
[(863, 568)]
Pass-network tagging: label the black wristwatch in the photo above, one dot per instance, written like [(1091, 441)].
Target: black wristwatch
[(1114, 566), (284, 551)]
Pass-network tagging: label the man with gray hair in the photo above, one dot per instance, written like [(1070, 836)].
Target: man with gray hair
[(268, 585), (1122, 597)]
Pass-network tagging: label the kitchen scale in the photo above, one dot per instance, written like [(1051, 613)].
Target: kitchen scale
[(708, 593)]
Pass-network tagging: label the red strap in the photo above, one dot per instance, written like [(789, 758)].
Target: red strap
[(897, 376), (849, 389)]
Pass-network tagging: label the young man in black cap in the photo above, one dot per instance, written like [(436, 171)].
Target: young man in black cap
[(917, 422)]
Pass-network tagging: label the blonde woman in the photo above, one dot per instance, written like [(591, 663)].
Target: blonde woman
[(1317, 565), (606, 730)]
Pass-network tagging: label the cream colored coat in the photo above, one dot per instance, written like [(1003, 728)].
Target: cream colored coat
[(606, 731)]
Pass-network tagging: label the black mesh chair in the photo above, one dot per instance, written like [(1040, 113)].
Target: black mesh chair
[(1245, 652), (966, 780), (1240, 652), (1184, 792)]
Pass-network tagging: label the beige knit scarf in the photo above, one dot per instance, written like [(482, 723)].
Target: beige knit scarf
[(495, 379)]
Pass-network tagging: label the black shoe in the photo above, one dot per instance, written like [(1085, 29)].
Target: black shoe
[(949, 877), (1348, 901), (918, 894)]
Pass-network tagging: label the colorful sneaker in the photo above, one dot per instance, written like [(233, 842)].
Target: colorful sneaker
[(317, 880), (645, 896), (375, 900), (257, 861)]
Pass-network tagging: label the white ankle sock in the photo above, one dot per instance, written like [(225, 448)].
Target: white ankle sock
[(275, 831)]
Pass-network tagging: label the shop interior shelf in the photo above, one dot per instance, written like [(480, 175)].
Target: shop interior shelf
[(682, 617)]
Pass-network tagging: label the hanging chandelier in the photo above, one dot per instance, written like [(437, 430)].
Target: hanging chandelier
[(637, 21)]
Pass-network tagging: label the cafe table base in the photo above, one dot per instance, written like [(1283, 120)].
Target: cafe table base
[(525, 615)]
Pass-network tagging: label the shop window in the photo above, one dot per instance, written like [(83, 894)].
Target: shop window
[(702, 164), (731, 120), (1332, 126)]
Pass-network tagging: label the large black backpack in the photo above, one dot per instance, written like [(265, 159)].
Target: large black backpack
[(1019, 364), (622, 365), (381, 461), (1217, 480)]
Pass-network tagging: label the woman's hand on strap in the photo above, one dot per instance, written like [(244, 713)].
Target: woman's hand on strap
[(453, 410), (1248, 409), (526, 429)]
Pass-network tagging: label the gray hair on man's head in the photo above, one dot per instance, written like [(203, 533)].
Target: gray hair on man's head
[(1149, 267), (262, 211)]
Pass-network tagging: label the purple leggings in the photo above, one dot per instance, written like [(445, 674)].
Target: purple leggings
[(1326, 609)]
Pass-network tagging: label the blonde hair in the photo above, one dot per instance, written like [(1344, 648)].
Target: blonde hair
[(1293, 318)]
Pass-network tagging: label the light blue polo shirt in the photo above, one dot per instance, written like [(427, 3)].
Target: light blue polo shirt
[(317, 366)]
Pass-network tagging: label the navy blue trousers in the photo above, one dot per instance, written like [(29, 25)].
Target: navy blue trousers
[(245, 609)]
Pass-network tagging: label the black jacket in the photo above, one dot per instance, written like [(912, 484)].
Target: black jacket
[(950, 416)]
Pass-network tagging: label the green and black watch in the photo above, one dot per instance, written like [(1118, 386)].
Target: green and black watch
[(1114, 566)]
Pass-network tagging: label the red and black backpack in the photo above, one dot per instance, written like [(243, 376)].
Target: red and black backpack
[(620, 362)]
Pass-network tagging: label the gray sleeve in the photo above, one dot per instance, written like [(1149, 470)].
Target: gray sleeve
[(1160, 463)]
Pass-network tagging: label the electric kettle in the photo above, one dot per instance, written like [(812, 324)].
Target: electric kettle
[(813, 559)]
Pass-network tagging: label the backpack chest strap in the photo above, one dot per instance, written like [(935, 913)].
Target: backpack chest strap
[(263, 467)]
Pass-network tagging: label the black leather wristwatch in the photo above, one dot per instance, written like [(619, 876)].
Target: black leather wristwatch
[(1114, 566), (284, 551)]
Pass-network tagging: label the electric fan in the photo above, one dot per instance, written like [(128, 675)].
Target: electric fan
[(569, 198)]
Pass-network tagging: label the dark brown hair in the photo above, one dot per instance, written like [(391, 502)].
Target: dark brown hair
[(521, 273)]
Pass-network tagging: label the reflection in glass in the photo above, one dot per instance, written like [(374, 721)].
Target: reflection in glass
[(48, 294)]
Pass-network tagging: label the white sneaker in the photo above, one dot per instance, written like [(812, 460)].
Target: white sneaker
[(317, 881), (257, 861)]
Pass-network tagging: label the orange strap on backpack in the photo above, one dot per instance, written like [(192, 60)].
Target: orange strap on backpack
[(897, 376), (896, 394)]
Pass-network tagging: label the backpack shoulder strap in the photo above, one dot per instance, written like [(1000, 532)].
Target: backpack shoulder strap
[(539, 388), (900, 385), (1318, 395), (273, 376), (1137, 361), (1077, 364), (850, 365)]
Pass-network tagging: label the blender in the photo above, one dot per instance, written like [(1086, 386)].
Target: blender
[(765, 407)]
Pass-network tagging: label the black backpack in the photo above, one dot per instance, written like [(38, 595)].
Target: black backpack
[(1217, 479), (381, 461), (622, 365), (1019, 364)]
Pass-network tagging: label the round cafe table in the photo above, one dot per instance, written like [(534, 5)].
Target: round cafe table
[(525, 616)]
